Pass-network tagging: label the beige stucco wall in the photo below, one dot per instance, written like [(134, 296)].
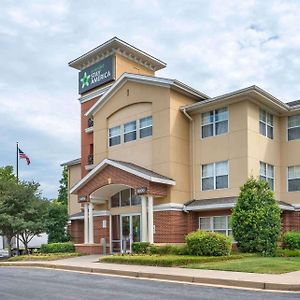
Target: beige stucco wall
[(74, 175)]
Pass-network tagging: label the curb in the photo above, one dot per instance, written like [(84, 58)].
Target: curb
[(179, 278)]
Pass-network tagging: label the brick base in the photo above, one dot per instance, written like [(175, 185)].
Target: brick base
[(90, 249), (290, 220)]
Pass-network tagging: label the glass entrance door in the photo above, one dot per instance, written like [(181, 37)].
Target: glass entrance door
[(130, 230)]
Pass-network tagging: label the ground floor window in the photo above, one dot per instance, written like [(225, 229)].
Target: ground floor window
[(125, 198), (219, 224), (294, 178)]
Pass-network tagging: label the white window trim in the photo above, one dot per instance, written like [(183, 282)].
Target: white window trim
[(266, 175), (120, 135), (287, 130), (130, 131), (287, 181), (120, 200), (214, 123), (140, 128), (211, 222), (214, 176), (267, 124)]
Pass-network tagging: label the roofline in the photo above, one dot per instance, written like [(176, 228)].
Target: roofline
[(115, 164), (164, 82), (71, 162), (159, 63), (243, 91)]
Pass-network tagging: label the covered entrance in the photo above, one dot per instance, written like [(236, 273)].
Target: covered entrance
[(126, 191)]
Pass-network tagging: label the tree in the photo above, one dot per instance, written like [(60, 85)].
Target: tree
[(56, 222), (256, 218), (63, 188)]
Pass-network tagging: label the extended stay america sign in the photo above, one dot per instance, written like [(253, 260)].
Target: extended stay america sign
[(97, 74)]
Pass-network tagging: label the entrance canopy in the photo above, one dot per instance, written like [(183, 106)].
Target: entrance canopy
[(111, 176)]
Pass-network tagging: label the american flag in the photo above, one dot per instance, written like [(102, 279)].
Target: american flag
[(22, 155)]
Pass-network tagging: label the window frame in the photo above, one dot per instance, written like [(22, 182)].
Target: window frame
[(140, 128), (120, 134), (213, 123), (288, 128), (120, 199), (214, 176), (266, 124), (124, 133), (287, 179), (211, 222), (266, 175)]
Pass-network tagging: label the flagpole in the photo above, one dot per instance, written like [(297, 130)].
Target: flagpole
[(17, 162)]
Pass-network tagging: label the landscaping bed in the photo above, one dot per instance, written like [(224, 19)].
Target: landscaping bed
[(43, 256), (168, 260)]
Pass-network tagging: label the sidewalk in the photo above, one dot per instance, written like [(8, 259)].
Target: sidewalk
[(283, 282)]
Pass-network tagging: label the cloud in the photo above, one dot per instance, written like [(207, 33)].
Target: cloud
[(215, 46)]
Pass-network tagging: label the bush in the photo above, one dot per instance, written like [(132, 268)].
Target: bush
[(287, 253), (140, 247), (202, 243), (58, 248), (256, 218), (168, 249), (291, 240)]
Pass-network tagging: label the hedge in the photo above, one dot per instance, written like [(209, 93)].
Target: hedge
[(58, 248), (291, 240), (203, 243), (147, 248)]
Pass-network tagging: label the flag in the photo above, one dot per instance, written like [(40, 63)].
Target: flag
[(22, 155)]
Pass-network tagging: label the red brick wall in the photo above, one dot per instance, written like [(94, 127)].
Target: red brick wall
[(86, 138), (77, 231), (121, 177), (99, 231), (290, 220)]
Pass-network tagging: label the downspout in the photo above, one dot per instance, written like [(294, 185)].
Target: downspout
[(192, 152)]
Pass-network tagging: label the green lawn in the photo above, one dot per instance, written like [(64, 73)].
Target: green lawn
[(267, 265)]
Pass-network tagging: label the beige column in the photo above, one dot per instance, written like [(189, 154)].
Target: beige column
[(110, 234), (86, 224), (144, 218), (91, 224), (150, 219)]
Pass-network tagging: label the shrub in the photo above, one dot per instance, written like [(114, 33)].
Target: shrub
[(202, 243), (168, 249), (57, 247), (256, 218), (291, 240), (287, 253), (140, 247)]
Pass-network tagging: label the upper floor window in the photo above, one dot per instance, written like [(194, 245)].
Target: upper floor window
[(266, 126), (125, 198), (130, 131), (215, 122), (294, 127), (220, 224), (267, 174), (294, 178), (145, 127), (215, 176), (115, 136)]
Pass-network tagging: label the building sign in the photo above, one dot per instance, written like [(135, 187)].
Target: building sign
[(82, 198), (97, 74), (141, 190)]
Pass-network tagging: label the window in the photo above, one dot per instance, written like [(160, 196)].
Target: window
[(220, 224), (267, 174), (215, 176), (125, 198), (266, 126), (294, 178), (145, 127), (114, 136), (294, 127), (130, 131), (215, 122)]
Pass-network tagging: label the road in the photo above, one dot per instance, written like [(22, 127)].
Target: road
[(30, 283)]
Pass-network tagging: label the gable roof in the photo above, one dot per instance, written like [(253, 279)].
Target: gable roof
[(294, 103), (127, 167), (159, 81), (116, 45), (251, 90), (71, 162)]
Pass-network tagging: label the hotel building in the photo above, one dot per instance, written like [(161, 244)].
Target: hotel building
[(160, 159)]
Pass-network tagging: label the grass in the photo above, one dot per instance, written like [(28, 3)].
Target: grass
[(266, 265), (167, 260), (43, 256)]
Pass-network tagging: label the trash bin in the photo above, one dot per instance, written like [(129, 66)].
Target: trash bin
[(103, 245)]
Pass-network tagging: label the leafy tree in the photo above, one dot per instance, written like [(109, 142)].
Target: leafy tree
[(256, 218), (56, 222), (63, 188)]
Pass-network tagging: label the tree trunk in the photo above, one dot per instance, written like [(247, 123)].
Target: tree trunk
[(9, 238)]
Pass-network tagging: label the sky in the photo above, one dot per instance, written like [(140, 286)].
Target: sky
[(214, 46)]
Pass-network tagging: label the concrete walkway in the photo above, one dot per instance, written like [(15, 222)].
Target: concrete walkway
[(283, 282)]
